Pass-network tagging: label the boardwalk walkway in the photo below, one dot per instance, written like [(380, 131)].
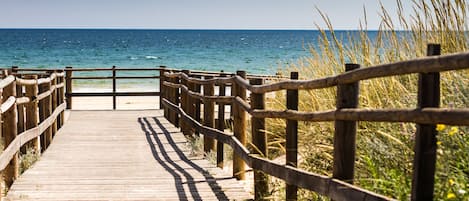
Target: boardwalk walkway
[(123, 155)]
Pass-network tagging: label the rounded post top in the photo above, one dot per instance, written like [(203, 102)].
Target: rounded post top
[(187, 72), (433, 49), (351, 66), (241, 73), (294, 75)]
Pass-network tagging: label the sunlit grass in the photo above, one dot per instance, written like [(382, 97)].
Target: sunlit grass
[(385, 150)]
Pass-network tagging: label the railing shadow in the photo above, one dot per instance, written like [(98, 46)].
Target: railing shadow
[(160, 153)]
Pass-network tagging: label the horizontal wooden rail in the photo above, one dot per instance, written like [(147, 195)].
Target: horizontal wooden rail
[(323, 185), (217, 74), (346, 114), (84, 94), (27, 136), (198, 95), (449, 116), (8, 104), (7, 81), (19, 111), (117, 77), (456, 61)]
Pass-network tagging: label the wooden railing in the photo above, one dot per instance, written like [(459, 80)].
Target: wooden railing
[(69, 77), (32, 110), (181, 98)]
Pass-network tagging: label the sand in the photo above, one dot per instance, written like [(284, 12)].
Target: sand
[(123, 103)]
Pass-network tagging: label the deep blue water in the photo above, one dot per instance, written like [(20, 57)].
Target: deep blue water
[(260, 52)]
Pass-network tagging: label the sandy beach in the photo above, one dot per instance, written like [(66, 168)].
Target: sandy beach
[(123, 103)]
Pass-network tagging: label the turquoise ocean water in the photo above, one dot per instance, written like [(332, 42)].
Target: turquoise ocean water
[(258, 52)]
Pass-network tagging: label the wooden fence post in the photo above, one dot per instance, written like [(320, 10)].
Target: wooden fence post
[(20, 108), (61, 98), (259, 139), (209, 116), (191, 104), (162, 71), (14, 70), (423, 178), (184, 105), (114, 87), (197, 102), (345, 131), (291, 190), (221, 124), (239, 128), (10, 132), (48, 112), (68, 86), (164, 92), (44, 113), (175, 97), (169, 95), (32, 111), (53, 98)]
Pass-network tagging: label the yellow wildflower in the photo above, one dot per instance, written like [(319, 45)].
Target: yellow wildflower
[(451, 196), (453, 130), (438, 142), (451, 181), (440, 127)]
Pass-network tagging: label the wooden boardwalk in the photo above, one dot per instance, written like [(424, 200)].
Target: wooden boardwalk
[(123, 155)]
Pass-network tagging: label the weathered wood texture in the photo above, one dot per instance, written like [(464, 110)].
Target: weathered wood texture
[(291, 139), (345, 131), (259, 140), (239, 129), (209, 116), (424, 163), (123, 155)]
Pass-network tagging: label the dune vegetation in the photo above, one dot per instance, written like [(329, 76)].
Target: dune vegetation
[(385, 150)]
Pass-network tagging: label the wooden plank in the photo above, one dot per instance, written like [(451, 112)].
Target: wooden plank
[(123, 155)]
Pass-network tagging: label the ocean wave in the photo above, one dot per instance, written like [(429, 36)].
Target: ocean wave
[(152, 57)]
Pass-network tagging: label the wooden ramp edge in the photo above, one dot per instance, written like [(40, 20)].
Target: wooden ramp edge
[(123, 155)]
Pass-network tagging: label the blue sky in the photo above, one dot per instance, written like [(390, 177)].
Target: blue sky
[(187, 14)]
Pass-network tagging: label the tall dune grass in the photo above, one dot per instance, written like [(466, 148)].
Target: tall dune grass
[(385, 150)]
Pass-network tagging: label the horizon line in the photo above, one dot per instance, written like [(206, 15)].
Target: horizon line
[(176, 29)]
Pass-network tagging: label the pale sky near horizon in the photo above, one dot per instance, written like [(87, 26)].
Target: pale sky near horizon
[(188, 14)]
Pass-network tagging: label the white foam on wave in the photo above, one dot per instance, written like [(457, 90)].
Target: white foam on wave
[(151, 57)]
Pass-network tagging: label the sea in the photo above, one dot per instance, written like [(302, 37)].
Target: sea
[(255, 51)]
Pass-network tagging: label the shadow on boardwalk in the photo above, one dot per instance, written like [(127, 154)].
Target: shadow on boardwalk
[(160, 153), (122, 155)]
